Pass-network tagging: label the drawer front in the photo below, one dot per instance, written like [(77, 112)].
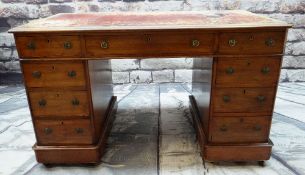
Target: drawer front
[(239, 129), (149, 44), (247, 72), (243, 100), (53, 74), (48, 46), (251, 43), (59, 103), (63, 132)]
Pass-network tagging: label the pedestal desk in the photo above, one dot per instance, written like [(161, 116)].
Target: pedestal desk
[(67, 75)]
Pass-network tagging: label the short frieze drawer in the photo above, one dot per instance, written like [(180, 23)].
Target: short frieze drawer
[(52, 46), (251, 43)]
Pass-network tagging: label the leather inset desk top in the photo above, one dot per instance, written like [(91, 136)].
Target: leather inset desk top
[(152, 20)]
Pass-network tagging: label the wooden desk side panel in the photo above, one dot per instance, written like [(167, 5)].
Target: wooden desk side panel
[(100, 80), (201, 88)]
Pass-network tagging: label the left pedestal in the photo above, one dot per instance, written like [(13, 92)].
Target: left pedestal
[(72, 108)]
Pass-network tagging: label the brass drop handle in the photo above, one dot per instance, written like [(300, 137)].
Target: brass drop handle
[(261, 98), (257, 128), (42, 103), (36, 74), (67, 45), (226, 98), (48, 131), (31, 45), (232, 42), (269, 42), (79, 130), (195, 43), (265, 70), (75, 102), (72, 73), (104, 44), (229, 70), (223, 128)]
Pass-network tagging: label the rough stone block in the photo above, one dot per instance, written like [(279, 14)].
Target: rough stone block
[(163, 76), (5, 53), (159, 6), (168, 63), (283, 76), (93, 8), (124, 64), (7, 39), (19, 11), (36, 1), (12, 66), (297, 75), (14, 55), (60, 1), (297, 48), (293, 62), (297, 20), (296, 35), (4, 25), (45, 11), (120, 77), (292, 6), (2, 67), (183, 75), (140, 76), (256, 6), (132, 0), (12, 1), (54, 9), (14, 22)]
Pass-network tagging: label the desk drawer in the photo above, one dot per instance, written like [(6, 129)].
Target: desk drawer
[(247, 72), (52, 74), (149, 44), (59, 103), (63, 132), (251, 43), (239, 129), (48, 46), (243, 100)]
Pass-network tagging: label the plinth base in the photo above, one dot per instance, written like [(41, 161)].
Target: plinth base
[(227, 152), (78, 154)]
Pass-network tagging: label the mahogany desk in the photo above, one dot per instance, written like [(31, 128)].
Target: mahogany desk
[(65, 63)]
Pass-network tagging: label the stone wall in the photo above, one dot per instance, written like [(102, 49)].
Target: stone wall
[(16, 12)]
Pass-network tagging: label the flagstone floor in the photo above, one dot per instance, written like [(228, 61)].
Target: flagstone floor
[(152, 135)]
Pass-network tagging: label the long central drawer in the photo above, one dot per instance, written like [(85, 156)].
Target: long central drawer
[(166, 43)]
